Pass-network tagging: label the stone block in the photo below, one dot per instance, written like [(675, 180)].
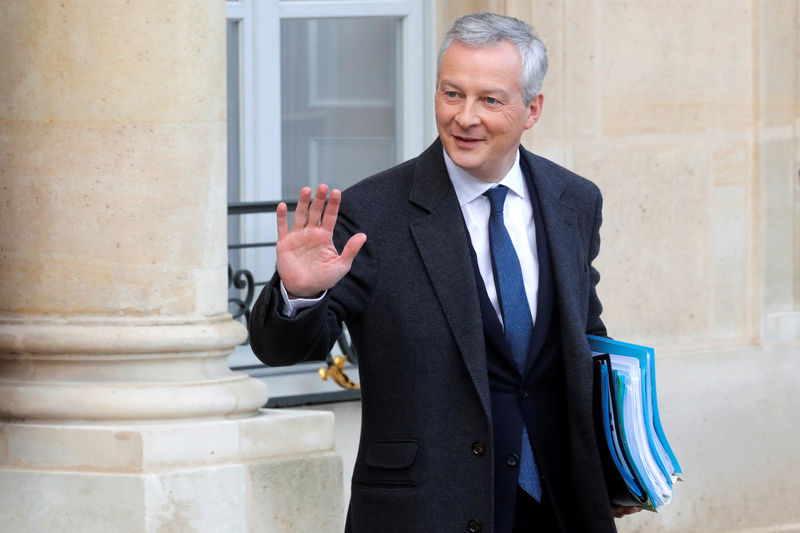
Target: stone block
[(670, 69), (546, 17), (731, 309), (300, 493), (655, 259), (275, 471), (583, 79), (782, 328), (83, 234), (149, 63), (779, 65), (198, 500), (781, 237), (88, 502)]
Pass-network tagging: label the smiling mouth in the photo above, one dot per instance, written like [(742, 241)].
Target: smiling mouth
[(469, 140)]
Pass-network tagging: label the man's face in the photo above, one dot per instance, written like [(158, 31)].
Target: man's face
[(480, 114)]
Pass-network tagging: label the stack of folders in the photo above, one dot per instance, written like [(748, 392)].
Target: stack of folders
[(638, 462)]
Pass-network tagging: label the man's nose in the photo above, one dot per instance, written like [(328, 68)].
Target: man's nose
[(468, 115)]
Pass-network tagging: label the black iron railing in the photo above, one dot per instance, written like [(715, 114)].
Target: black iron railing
[(242, 279)]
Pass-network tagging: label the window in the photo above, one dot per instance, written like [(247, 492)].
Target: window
[(319, 91)]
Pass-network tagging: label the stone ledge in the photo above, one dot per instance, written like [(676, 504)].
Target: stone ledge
[(86, 335), (133, 447), (235, 394), (122, 368)]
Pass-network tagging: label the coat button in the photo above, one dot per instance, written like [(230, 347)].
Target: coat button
[(478, 448), (475, 526), (524, 395), (512, 460)]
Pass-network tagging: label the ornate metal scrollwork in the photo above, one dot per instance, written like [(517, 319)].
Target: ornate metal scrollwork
[(334, 369), (238, 307)]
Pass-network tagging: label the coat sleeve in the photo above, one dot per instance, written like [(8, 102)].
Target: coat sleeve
[(594, 325), (278, 340)]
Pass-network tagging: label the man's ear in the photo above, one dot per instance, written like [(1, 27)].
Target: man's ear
[(535, 111)]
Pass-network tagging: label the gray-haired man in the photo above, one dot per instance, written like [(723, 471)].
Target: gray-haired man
[(465, 278)]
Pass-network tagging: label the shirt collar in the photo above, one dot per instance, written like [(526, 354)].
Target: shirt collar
[(468, 187)]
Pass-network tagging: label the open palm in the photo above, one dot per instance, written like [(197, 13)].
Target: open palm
[(308, 262)]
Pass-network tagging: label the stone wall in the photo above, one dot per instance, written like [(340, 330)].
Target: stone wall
[(686, 115)]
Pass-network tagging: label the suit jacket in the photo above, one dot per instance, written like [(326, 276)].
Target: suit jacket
[(411, 304)]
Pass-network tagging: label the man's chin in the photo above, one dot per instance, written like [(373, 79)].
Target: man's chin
[(465, 162), (466, 159)]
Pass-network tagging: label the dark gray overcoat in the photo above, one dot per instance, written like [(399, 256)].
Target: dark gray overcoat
[(411, 305)]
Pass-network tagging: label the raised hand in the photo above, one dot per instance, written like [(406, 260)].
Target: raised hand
[(308, 262)]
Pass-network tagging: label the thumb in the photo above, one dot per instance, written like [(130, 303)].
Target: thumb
[(352, 248)]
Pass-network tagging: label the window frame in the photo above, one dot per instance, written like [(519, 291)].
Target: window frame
[(260, 88), (260, 136)]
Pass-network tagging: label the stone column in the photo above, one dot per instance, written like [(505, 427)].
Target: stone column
[(120, 411)]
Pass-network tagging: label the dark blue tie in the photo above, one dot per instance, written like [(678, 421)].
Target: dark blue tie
[(517, 320)]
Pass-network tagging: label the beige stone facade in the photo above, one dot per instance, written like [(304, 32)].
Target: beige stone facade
[(119, 409)]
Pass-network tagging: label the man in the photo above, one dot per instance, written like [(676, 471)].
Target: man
[(466, 283)]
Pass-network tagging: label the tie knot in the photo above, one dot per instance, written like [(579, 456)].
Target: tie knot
[(497, 197)]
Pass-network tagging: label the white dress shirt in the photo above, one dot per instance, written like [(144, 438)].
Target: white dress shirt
[(518, 216)]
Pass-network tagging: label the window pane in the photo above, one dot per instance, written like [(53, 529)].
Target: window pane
[(233, 110), (234, 151), (339, 100)]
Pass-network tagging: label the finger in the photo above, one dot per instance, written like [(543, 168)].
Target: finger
[(331, 210), (620, 511), (283, 227), (352, 248), (318, 204), (301, 211)]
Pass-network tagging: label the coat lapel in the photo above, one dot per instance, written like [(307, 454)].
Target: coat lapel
[(442, 242), (560, 224), (546, 289)]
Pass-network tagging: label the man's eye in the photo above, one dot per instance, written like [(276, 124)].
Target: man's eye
[(450, 94), (491, 100)]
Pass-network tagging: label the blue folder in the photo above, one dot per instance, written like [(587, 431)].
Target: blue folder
[(639, 463), (623, 485)]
